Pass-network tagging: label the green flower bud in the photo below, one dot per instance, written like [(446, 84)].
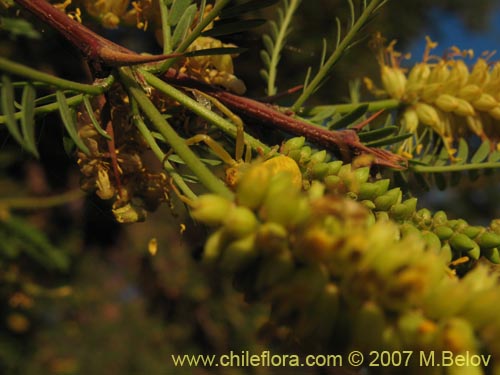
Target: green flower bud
[(475, 252), (489, 240), (210, 209), (386, 201), (362, 174), (423, 217), (440, 218), (319, 171), (334, 167), (403, 211), (368, 191), (292, 144), (213, 246), (318, 157), (472, 231), (368, 325), (432, 241), (492, 254), (446, 254), (460, 242), (252, 187), (443, 232), (240, 221)]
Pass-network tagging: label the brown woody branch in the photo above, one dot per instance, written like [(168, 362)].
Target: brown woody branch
[(102, 53)]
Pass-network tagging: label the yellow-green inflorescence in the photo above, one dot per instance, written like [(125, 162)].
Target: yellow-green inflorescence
[(330, 265), (442, 94)]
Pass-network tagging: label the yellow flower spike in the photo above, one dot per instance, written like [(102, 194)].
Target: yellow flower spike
[(394, 81), (486, 102), (480, 73), (446, 102), (470, 92), (464, 108)]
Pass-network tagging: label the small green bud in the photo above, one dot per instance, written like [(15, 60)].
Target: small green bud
[(440, 218), (319, 171), (446, 254), (252, 187), (403, 211), (472, 231), (334, 167), (368, 191), (423, 217), (475, 252), (460, 242), (492, 254), (210, 209), (240, 221), (318, 157), (382, 185), (292, 144), (362, 174), (489, 240), (432, 241), (443, 232), (213, 246), (386, 201)]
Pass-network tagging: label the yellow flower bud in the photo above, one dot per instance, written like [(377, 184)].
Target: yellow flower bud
[(431, 92), (480, 73), (464, 108), (459, 73), (470, 92), (495, 113), (428, 115), (446, 102), (410, 120), (485, 102), (394, 81), (439, 74)]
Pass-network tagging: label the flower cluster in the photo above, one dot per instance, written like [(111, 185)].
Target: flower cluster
[(130, 183), (443, 94), (334, 273)]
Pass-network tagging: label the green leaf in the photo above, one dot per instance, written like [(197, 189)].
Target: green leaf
[(463, 152), (494, 157), (481, 153), (389, 140), (19, 27), (68, 145), (90, 112), (8, 109), (373, 135), (28, 119), (177, 10), (233, 27), (249, 6), (350, 117), (69, 121), (265, 58), (183, 25), (268, 43)]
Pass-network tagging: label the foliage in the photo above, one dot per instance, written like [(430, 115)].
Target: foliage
[(321, 229)]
